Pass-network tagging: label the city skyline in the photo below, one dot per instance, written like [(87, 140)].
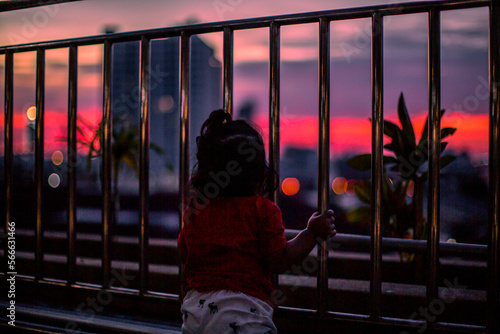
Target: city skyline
[(463, 33)]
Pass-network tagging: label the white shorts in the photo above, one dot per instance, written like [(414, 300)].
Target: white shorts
[(225, 312)]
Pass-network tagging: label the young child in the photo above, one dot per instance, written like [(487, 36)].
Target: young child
[(232, 239)]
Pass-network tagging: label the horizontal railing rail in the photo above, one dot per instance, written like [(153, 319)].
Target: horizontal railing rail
[(281, 20), (6, 6), (404, 245), (432, 248)]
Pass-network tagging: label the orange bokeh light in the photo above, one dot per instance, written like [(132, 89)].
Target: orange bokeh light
[(338, 185), (349, 187), (31, 113), (290, 186), (57, 158), (410, 189)]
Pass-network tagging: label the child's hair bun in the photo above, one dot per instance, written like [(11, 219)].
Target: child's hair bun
[(233, 149), (215, 121)]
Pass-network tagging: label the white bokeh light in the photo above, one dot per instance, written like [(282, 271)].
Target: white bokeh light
[(54, 180)]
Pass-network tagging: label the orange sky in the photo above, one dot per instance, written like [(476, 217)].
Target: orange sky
[(351, 135), (347, 135), (464, 44)]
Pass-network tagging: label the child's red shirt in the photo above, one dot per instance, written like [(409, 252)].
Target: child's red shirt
[(226, 242)]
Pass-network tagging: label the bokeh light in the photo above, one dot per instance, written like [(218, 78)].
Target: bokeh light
[(349, 187), (57, 158), (31, 113), (54, 180), (290, 186), (165, 103), (410, 189), (338, 185)]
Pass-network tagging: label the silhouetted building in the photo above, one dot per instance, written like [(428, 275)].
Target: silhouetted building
[(302, 164), (164, 101)]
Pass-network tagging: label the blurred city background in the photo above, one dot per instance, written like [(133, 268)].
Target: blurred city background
[(465, 99), (465, 124)]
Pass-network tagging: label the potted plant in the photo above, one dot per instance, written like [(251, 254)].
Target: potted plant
[(124, 150), (405, 171)]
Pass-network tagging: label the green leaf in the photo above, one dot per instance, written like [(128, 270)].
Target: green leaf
[(425, 131), (92, 149), (391, 129), (363, 161), (156, 148), (360, 162), (359, 215), (399, 146), (404, 118), (83, 142), (363, 191), (390, 160), (443, 146), (131, 161), (446, 160), (80, 130), (387, 195), (394, 146), (89, 161), (423, 148), (86, 122), (445, 132)]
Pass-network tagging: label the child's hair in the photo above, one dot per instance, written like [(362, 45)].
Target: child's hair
[(231, 158)]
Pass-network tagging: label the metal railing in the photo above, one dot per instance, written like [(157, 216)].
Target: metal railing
[(274, 24)]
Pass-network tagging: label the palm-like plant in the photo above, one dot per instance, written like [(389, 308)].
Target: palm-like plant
[(124, 148), (404, 172)]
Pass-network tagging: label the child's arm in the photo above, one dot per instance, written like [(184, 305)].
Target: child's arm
[(319, 228)]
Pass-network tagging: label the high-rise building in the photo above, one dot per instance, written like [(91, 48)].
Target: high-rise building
[(164, 102)]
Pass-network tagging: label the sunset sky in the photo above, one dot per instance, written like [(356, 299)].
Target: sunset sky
[(464, 36)]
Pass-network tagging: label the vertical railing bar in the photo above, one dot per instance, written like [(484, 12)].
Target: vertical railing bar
[(8, 148), (39, 152), (107, 119), (144, 168), (72, 160), (228, 69), (377, 172), (274, 108), (434, 155), (324, 155), (184, 138), (494, 172), (274, 116)]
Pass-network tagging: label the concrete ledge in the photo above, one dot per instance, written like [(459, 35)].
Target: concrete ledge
[(56, 321)]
